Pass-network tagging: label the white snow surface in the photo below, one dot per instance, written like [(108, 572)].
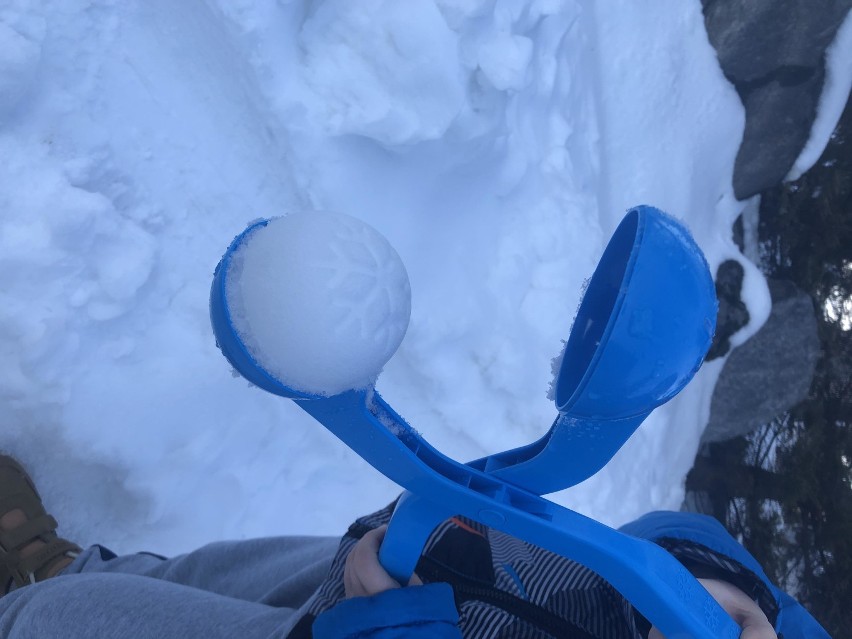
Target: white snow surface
[(835, 93), (320, 300), (496, 144)]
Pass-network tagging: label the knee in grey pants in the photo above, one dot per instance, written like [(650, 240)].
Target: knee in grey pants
[(253, 588)]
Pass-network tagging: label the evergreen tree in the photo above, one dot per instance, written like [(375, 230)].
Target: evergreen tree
[(786, 490)]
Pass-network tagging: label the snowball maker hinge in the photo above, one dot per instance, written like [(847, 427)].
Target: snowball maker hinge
[(641, 332)]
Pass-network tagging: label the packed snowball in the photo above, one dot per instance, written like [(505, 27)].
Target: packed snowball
[(320, 300)]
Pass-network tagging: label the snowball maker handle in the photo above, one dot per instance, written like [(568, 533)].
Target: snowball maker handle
[(440, 488), (600, 406)]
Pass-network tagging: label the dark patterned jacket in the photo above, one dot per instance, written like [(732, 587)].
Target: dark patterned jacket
[(505, 588)]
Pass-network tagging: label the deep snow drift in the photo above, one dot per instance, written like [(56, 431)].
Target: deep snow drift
[(495, 144)]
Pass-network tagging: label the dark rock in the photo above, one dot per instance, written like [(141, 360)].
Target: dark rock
[(733, 314), (755, 39), (738, 233), (778, 123), (769, 373), (773, 52)]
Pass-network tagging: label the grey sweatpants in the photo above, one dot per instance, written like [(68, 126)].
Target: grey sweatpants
[(247, 589)]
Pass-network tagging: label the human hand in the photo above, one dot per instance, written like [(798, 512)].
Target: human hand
[(363, 575), (742, 609)]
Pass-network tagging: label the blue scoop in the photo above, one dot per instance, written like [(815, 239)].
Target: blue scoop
[(641, 333)]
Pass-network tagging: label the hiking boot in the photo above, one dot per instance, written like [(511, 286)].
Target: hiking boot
[(30, 550)]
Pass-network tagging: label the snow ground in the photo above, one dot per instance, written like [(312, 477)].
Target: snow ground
[(495, 144)]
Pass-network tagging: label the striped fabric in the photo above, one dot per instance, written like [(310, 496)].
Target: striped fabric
[(513, 590)]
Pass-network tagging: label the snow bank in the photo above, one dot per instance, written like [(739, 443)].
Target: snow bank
[(496, 145)]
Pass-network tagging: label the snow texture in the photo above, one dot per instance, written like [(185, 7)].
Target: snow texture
[(495, 144), (320, 300)]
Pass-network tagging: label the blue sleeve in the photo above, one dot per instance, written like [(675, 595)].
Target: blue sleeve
[(793, 621), (416, 612)]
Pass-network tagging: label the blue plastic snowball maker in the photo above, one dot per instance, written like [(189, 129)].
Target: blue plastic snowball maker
[(641, 332)]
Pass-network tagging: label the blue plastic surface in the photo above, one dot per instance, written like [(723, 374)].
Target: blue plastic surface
[(641, 333)]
